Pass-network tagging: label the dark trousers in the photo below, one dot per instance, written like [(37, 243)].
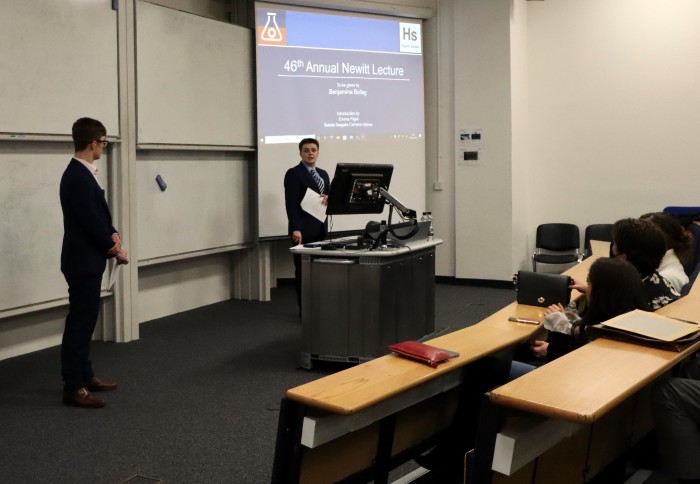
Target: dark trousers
[(84, 307), (307, 239), (676, 406)]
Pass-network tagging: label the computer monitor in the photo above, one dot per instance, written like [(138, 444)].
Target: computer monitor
[(355, 188)]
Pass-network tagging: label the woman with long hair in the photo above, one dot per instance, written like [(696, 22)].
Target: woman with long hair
[(614, 287)]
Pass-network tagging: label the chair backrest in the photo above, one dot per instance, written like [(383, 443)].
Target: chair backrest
[(558, 237), (685, 215), (596, 232), (680, 211)]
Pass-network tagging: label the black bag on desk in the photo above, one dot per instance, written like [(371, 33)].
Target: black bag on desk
[(539, 289)]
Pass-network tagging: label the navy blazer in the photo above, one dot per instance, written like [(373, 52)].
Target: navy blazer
[(296, 181), (87, 222)]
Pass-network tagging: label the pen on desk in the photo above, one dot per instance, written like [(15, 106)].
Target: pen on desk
[(523, 320), (685, 321)]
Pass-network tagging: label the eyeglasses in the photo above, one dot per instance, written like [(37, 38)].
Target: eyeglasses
[(103, 141)]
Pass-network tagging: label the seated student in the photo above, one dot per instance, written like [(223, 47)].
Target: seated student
[(691, 281), (614, 288), (641, 244), (676, 407), (678, 242)]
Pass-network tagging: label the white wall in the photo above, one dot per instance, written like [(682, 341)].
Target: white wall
[(438, 44), (215, 9), (482, 99), (29, 332), (614, 108), (174, 287), (522, 192), (588, 111)]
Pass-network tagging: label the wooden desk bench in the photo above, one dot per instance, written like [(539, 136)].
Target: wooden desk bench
[(334, 426), (600, 380), (357, 424)]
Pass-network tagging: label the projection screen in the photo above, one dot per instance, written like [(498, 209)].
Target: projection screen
[(352, 81)]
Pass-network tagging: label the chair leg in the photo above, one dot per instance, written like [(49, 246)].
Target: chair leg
[(534, 264)]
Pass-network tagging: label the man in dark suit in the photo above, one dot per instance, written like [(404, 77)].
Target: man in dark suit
[(89, 239), (304, 227)]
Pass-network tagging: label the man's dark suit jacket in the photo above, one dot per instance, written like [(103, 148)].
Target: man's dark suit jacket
[(87, 222), (296, 181)]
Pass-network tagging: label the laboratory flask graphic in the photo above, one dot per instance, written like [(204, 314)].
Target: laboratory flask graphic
[(271, 32)]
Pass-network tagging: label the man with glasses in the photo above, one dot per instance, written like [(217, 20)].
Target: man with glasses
[(89, 239)]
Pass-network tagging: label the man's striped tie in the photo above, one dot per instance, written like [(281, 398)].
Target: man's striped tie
[(318, 180)]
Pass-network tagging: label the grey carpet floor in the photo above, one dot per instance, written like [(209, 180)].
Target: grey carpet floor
[(198, 400)]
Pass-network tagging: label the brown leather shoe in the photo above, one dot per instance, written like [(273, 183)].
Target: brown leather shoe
[(82, 398), (97, 385)]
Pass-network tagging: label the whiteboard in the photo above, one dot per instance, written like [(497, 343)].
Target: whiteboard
[(58, 63), (31, 226), (194, 79), (205, 205)]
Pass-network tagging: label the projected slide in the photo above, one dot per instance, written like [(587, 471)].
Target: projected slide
[(355, 83), (333, 75)]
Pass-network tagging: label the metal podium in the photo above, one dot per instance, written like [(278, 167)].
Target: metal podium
[(357, 302)]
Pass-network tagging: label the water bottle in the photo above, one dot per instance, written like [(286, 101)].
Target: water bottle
[(431, 230), (382, 232)]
